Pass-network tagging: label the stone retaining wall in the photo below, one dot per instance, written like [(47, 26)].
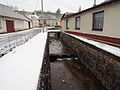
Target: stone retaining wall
[(103, 65), (44, 82)]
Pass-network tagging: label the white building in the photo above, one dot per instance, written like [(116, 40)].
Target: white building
[(101, 22), (11, 21), (35, 21)]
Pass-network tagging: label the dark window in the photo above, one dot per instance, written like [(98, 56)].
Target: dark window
[(67, 24), (98, 20), (77, 22)]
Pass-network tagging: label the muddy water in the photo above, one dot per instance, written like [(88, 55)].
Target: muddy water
[(66, 74), (73, 76)]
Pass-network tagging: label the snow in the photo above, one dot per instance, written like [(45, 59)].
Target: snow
[(53, 30), (11, 40), (20, 69), (111, 49)]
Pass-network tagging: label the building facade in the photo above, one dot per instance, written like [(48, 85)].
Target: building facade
[(101, 22), (11, 21)]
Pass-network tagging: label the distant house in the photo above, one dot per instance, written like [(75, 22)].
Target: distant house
[(35, 21), (48, 21), (100, 22), (11, 21), (38, 21)]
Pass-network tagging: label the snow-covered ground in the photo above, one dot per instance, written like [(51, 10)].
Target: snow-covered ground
[(53, 30), (111, 49), (20, 69), (11, 40)]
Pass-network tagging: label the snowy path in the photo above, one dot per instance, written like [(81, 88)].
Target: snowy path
[(20, 69)]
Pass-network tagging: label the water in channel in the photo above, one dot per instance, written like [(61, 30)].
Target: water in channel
[(67, 73)]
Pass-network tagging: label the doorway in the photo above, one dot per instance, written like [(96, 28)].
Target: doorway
[(10, 26)]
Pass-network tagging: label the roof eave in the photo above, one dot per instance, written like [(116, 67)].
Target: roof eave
[(102, 4)]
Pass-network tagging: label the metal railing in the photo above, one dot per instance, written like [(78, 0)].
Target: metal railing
[(11, 40)]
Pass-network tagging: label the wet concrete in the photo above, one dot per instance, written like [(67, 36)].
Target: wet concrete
[(67, 73)]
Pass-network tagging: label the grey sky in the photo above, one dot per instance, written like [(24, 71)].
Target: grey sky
[(51, 5)]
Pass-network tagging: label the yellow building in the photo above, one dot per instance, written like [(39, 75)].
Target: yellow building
[(100, 22)]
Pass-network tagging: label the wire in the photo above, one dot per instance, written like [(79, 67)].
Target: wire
[(36, 4), (63, 5)]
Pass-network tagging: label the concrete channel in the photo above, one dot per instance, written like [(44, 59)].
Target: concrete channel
[(67, 73), (71, 64)]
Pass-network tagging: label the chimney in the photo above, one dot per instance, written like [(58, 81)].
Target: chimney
[(94, 3)]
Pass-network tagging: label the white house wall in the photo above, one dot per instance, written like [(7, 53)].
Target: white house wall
[(111, 21), (18, 24), (26, 25), (35, 22), (3, 25)]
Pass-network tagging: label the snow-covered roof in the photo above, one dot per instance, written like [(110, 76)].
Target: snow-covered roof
[(8, 12), (111, 49), (20, 69)]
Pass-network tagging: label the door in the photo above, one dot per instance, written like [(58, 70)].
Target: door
[(10, 26), (29, 26)]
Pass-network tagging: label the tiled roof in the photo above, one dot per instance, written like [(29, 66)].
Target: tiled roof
[(8, 12)]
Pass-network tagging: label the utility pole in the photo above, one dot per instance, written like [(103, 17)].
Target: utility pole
[(42, 15)]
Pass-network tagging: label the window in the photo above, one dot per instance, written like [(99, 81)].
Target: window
[(67, 24), (77, 22), (98, 21)]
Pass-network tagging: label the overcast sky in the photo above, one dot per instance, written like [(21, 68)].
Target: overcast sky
[(51, 5)]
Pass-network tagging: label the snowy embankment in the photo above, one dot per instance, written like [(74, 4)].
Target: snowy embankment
[(111, 49), (20, 69), (10, 40)]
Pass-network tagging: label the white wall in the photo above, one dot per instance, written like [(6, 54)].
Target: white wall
[(35, 22), (3, 25), (18, 24), (111, 21)]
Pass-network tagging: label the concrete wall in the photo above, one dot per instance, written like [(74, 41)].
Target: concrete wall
[(44, 82), (18, 24), (111, 21), (103, 65)]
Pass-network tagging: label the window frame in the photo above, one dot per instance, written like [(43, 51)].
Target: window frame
[(67, 24), (93, 22), (76, 22)]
